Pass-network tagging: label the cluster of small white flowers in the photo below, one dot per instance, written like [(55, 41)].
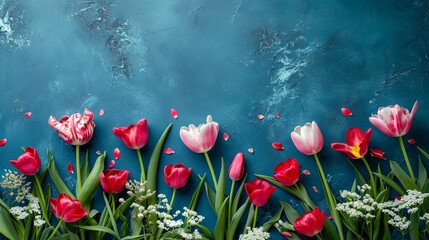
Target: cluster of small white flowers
[(192, 217), (32, 208), (255, 233), (15, 185), (193, 235), (138, 190), (358, 205), (409, 203), (425, 218)]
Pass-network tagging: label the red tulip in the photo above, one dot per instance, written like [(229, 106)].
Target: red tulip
[(259, 191), (236, 170), (177, 175), (67, 209), (357, 143), (308, 139), (113, 180), (287, 172), (28, 163), (394, 120), (310, 223), (75, 129), (202, 138), (134, 137)]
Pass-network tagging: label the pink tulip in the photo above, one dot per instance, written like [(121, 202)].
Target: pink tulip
[(287, 172), (308, 139), (67, 209), (202, 138), (236, 170), (357, 143), (177, 175), (134, 137), (28, 163), (394, 120), (259, 191), (75, 129), (113, 180), (310, 223)]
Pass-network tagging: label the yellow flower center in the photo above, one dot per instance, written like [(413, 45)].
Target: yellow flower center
[(356, 151)]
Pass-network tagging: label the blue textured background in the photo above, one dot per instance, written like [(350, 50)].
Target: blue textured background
[(231, 59)]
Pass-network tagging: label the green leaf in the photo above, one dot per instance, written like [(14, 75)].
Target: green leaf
[(291, 213), (391, 183), (134, 237), (273, 220), (423, 176), (101, 229), (220, 191), (211, 196), (424, 153), (109, 210), (359, 176), (237, 196), (294, 192), (414, 225), (236, 218), (56, 178), (402, 176), (46, 233), (195, 196), (92, 181), (7, 228), (152, 175), (306, 201), (85, 167), (221, 221), (249, 218), (206, 231)]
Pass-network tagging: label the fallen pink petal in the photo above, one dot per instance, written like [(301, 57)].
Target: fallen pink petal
[(3, 142), (315, 189), (101, 112), (277, 115), (250, 150), (377, 153), (286, 234), (225, 136), (98, 152), (168, 151), (346, 112), (277, 146), (331, 217), (112, 163), (411, 141), (70, 168), (174, 113), (27, 114), (116, 153), (306, 172), (260, 116)]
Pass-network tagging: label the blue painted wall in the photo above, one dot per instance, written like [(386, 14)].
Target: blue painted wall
[(231, 59)]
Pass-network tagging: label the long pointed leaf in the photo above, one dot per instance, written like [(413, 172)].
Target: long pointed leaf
[(391, 183), (195, 196), (220, 191), (101, 229), (56, 178), (402, 176), (221, 221), (249, 218), (423, 176), (6, 225), (236, 218), (273, 220), (211, 196), (92, 181), (237, 195)]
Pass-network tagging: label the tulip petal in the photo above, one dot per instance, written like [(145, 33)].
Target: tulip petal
[(168, 151), (3, 142), (70, 168), (315, 189), (260, 116), (101, 112), (27, 114), (377, 153), (250, 150), (306, 172), (277, 146), (277, 115), (411, 141), (116, 153), (112, 163), (346, 112), (98, 152), (225, 136), (174, 114)]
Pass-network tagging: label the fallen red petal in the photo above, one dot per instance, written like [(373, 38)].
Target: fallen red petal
[(168, 151), (3, 142), (411, 141), (112, 163), (306, 172), (174, 113), (315, 189), (116, 153), (277, 146), (250, 150), (28, 114), (277, 115), (70, 168), (346, 112), (260, 116), (398, 198), (101, 112), (98, 152), (331, 218), (286, 234), (377, 153), (225, 136)]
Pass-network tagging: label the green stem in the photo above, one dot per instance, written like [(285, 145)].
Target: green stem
[(56, 229), (172, 201), (371, 176), (42, 200), (255, 216), (211, 169), (79, 177), (407, 161), (230, 201), (331, 201), (143, 173), (319, 237)]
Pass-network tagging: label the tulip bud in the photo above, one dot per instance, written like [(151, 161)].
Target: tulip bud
[(113, 180), (202, 138), (134, 137), (28, 163), (177, 175), (259, 191), (310, 223), (308, 139), (67, 209), (75, 129), (236, 169), (287, 172)]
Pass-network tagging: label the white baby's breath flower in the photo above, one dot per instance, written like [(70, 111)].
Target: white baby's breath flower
[(255, 233)]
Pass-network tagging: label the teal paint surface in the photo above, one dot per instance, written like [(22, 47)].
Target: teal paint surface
[(230, 59)]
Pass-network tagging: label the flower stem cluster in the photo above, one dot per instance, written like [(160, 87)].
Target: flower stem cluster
[(15, 186)]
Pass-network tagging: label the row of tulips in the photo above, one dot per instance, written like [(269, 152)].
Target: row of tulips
[(77, 130)]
